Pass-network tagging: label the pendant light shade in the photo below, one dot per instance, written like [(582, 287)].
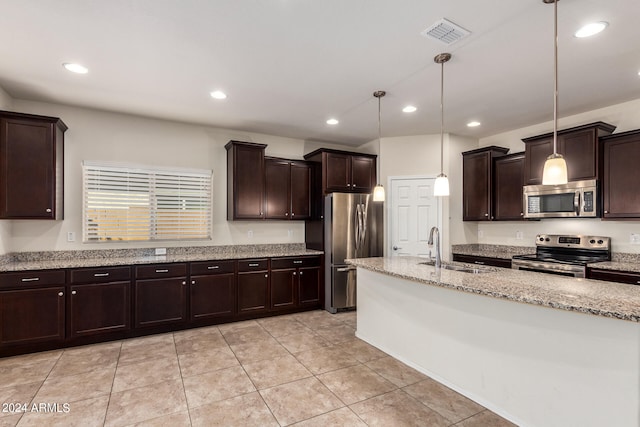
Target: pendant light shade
[(555, 167), (378, 191), (441, 186)]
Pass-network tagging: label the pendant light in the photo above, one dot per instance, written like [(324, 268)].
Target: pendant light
[(555, 167), (378, 191), (441, 186)]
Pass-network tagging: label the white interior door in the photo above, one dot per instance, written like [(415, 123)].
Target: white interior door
[(413, 211)]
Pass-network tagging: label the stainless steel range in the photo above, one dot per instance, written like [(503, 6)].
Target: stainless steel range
[(564, 254)]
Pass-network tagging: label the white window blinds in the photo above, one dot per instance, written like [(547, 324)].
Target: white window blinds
[(145, 203)]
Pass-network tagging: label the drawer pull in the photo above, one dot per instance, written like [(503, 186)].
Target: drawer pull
[(184, 282), (297, 262), (638, 282), (213, 267), (100, 274), (254, 265), (73, 292), (30, 279), (60, 294), (294, 273), (162, 271), (479, 262)]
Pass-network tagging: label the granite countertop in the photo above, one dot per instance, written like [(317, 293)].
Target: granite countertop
[(492, 251), (115, 257), (608, 299)]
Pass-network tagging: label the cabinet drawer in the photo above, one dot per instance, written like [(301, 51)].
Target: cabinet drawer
[(32, 278), (253, 265), (212, 267), (294, 262), (160, 271), (99, 275), (480, 260), (614, 276)]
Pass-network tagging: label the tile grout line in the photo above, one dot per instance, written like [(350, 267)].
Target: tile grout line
[(184, 389), (106, 411)]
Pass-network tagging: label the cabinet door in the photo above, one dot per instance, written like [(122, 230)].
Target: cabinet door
[(213, 296), (300, 191), (363, 174), (309, 286), (253, 292), (580, 152), (337, 172), (614, 276), (277, 189), (27, 170), (476, 182), (99, 308), (160, 301), (283, 287), (536, 154), (508, 182), (248, 182), (32, 315), (621, 196)]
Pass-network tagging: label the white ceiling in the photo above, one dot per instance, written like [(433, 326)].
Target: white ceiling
[(289, 65)]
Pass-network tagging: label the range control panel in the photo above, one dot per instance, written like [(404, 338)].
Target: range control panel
[(573, 241)]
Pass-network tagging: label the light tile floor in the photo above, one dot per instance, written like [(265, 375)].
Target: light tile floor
[(305, 369)]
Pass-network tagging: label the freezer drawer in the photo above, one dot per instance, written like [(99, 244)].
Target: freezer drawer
[(340, 288)]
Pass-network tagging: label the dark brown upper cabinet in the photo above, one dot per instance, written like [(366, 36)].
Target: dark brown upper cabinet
[(31, 166), (245, 180), (621, 175), (477, 182), (287, 189), (508, 178), (579, 146), (344, 171)]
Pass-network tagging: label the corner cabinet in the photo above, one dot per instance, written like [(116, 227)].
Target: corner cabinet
[(245, 180), (287, 189), (508, 180), (620, 193), (31, 166), (477, 182), (579, 146)]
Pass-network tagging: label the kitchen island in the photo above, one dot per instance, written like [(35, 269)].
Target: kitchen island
[(538, 349)]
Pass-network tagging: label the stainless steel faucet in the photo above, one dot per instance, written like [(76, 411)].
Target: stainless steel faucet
[(434, 230)]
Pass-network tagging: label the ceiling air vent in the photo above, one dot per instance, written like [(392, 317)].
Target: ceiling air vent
[(445, 31)]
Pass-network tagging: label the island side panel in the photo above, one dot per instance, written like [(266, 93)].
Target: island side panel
[(533, 365)]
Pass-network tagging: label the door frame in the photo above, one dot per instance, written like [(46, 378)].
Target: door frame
[(387, 212)]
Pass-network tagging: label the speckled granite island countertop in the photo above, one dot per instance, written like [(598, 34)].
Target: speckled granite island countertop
[(608, 299), (22, 261), (492, 251)]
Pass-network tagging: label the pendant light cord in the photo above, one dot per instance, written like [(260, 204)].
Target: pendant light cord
[(555, 77), (442, 118)]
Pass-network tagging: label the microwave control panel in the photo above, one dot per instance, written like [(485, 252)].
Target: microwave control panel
[(588, 201)]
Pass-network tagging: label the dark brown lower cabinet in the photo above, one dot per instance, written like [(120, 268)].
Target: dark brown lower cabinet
[(160, 301), (482, 260), (614, 276), (29, 316), (99, 308), (283, 288), (213, 289), (253, 286), (309, 286)]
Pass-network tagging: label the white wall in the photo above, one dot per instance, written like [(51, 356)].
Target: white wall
[(6, 103), (105, 136), (625, 116)]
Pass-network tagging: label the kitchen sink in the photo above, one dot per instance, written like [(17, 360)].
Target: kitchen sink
[(460, 268)]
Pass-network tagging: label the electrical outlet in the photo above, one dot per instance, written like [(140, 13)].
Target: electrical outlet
[(250, 234), (480, 234), (71, 236), (161, 251), (289, 233), (519, 235), (634, 239)]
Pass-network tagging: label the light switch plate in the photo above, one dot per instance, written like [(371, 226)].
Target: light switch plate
[(480, 234), (519, 235), (634, 239), (161, 251), (71, 236), (250, 234)]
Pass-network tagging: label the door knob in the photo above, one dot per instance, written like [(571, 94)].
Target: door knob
[(395, 248)]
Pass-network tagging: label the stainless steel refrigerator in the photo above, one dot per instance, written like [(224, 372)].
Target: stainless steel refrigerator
[(353, 229)]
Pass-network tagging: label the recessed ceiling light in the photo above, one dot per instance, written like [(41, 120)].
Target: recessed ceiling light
[(591, 29), (409, 109), (75, 68), (218, 94), (332, 122), (473, 124)]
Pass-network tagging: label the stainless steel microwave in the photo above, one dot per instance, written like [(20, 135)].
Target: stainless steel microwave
[(572, 200)]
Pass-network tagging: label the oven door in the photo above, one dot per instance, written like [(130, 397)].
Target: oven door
[(571, 270)]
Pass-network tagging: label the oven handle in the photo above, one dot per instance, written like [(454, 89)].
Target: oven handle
[(576, 203), (576, 271)]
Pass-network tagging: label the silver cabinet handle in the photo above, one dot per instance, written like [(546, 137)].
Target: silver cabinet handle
[(30, 279), (292, 214), (193, 282), (73, 292), (479, 262), (184, 282), (286, 214), (101, 275), (301, 273), (48, 210), (521, 213), (162, 271), (606, 211), (266, 275), (297, 262), (213, 267), (486, 214), (60, 294), (294, 273), (254, 265)]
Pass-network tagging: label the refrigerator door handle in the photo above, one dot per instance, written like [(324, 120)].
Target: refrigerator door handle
[(364, 226), (357, 227), (343, 269)]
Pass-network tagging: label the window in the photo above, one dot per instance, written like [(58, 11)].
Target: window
[(124, 203)]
